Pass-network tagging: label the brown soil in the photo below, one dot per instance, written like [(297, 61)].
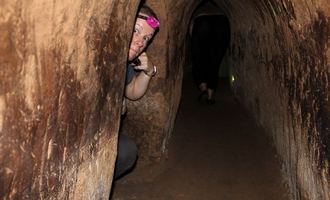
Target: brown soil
[(216, 152)]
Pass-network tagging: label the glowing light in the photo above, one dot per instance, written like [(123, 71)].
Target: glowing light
[(232, 79)]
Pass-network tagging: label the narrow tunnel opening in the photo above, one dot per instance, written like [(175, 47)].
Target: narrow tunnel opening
[(209, 40), (137, 118)]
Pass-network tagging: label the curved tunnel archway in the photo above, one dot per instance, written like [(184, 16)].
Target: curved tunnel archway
[(210, 38)]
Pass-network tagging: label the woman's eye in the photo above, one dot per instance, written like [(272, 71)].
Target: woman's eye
[(146, 39), (136, 30)]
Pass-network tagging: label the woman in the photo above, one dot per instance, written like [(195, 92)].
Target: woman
[(146, 25)]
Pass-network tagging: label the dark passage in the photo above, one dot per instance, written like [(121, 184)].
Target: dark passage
[(210, 40), (216, 152)]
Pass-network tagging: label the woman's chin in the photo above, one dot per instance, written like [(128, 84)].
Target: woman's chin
[(131, 57)]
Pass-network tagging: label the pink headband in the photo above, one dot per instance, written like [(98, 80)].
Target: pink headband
[(151, 21)]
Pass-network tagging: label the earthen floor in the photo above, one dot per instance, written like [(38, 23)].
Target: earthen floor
[(216, 152)]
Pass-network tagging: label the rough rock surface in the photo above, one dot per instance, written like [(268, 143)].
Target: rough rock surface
[(61, 69)]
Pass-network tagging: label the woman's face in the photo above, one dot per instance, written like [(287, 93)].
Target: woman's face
[(142, 34)]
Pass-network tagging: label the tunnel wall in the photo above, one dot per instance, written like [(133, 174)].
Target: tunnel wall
[(62, 66), (280, 61)]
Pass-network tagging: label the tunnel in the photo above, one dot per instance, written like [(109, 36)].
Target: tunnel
[(61, 89)]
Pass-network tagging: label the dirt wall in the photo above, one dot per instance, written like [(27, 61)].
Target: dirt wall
[(61, 69), (280, 61)]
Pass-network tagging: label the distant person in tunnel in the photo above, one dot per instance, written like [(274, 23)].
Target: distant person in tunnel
[(138, 75), (210, 36)]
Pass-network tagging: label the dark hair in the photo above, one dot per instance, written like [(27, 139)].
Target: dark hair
[(148, 11)]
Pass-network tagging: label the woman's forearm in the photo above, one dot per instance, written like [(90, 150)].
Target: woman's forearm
[(138, 87)]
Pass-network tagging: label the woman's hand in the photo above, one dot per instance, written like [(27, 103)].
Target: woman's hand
[(145, 65), (139, 85)]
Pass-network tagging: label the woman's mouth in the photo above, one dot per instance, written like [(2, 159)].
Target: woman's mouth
[(133, 50)]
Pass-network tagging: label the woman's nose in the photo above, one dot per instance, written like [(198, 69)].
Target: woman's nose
[(139, 41)]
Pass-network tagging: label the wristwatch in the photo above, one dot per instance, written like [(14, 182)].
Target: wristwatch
[(153, 73)]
